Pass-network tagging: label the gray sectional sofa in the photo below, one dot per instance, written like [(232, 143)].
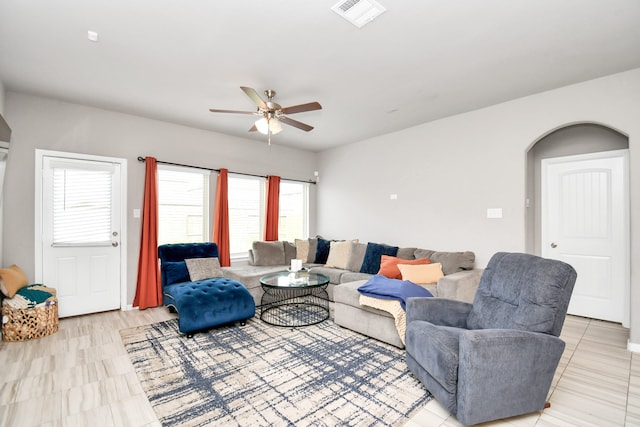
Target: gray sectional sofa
[(346, 265)]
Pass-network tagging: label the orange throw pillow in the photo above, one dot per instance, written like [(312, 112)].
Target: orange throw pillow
[(389, 265), (12, 279)]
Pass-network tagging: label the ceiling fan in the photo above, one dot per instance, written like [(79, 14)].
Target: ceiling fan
[(272, 114)]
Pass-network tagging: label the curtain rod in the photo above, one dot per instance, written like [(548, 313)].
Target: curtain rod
[(142, 159)]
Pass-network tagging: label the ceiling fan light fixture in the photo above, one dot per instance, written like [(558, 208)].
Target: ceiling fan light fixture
[(275, 126), (265, 125)]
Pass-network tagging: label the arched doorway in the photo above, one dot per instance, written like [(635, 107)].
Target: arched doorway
[(569, 142)]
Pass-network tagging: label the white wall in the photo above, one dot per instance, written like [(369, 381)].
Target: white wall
[(447, 173), (53, 125), (2, 95)]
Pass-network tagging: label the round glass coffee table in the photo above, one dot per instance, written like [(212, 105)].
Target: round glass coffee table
[(294, 299)]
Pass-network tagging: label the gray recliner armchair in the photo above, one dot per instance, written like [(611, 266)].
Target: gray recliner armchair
[(495, 358)]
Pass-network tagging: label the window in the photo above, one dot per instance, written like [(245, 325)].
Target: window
[(247, 212), (293, 218), (183, 201), (81, 205)]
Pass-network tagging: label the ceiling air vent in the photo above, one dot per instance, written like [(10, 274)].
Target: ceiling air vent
[(359, 12)]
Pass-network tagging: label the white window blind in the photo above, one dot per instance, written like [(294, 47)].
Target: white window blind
[(81, 206)]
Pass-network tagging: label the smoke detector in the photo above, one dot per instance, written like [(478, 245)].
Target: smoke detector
[(359, 12)]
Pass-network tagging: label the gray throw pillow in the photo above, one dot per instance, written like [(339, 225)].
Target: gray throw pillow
[(268, 253), (452, 262), (423, 253), (406, 253), (289, 252), (356, 256), (203, 268), (313, 247)]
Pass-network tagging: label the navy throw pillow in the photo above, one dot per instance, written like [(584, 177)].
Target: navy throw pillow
[(373, 255), (175, 272), (322, 251)]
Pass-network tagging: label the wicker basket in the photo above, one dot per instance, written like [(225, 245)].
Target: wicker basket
[(22, 324)]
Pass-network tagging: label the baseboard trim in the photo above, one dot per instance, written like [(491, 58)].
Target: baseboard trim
[(633, 347)]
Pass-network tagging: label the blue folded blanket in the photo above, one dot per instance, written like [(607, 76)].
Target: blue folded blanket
[(380, 286)]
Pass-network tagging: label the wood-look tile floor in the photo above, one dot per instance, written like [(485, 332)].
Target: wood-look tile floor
[(82, 376)]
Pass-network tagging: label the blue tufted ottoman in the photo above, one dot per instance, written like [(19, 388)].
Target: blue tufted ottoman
[(201, 304), (207, 303)]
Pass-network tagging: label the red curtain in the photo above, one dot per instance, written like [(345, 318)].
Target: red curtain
[(273, 208), (221, 219), (148, 286)]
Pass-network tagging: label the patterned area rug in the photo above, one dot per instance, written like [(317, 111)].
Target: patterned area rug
[(321, 375)]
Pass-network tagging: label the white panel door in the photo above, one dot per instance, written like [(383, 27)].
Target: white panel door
[(585, 222), (81, 253)]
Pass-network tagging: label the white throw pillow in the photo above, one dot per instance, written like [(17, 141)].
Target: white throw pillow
[(339, 253)]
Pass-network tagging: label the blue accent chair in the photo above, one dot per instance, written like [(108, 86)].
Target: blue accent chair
[(201, 304), (495, 358)]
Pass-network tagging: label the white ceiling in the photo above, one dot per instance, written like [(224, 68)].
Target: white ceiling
[(417, 62)]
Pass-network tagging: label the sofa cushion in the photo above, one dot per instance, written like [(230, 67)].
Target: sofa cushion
[(389, 265), (350, 276), (421, 274), (356, 256), (268, 253), (249, 275), (347, 293), (452, 262), (339, 254), (334, 274), (373, 255)]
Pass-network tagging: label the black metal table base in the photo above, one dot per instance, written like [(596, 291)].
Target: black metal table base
[(294, 307)]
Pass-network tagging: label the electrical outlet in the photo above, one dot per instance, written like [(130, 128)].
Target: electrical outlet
[(494, 213)]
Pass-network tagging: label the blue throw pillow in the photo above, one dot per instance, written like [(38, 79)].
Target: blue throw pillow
[(322, 251), (373, 255), (175, 272)]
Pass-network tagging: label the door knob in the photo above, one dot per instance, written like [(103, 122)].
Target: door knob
[(553, 245), (114, 244)]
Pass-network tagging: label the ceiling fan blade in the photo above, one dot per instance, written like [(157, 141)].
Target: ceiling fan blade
[(302, 107), (253, 128), (215, 110), (296, 124), (251, 93)]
